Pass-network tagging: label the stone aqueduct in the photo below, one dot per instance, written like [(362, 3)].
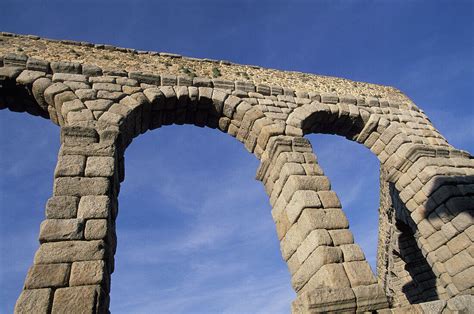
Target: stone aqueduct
[(426, 233)]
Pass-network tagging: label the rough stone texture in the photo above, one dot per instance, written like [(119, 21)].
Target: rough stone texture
[(370, 297), (49, 275), (96, 229), (359, 273), (100, 167), (76, 300), (61, 229), (69, 251), (325, 300), (87, 273), (92, 206), (77, 186), (62, 207), (34, 301), (426, 224)]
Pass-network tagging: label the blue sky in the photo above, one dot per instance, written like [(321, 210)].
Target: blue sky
[(195, 233)]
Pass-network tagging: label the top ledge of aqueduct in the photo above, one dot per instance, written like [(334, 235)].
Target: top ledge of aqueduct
[(116, 61)]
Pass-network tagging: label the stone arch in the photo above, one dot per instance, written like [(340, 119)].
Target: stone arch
[(402, 149), (100, 112)]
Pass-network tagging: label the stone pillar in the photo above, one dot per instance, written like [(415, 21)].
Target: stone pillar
[(72, 267), (329, 271)]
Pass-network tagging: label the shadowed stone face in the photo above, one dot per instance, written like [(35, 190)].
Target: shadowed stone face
[(426, 230)]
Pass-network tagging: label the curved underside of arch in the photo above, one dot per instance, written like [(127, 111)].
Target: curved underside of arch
[(426, 212)]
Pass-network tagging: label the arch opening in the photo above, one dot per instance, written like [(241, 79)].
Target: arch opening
[(354, 175), (205, 233)]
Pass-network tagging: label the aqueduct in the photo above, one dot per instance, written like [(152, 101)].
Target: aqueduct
[(102, 97)]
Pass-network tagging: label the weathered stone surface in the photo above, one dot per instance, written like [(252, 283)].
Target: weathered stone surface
[(458, 263), (352, 252), (298, 182), (62, 207), (464, 279), (91, 70), (94, 207), (341, 236), (315, 218), (34, 301), (73, 105), (38, 89), (290, 242), (324, 300), (433, 306), (66, 67), (61, 77), (87, 273), (77, 186), (370, 298), (329, 276), (61, 229), (86, 94), (99, 104), (107, 87), (70, 165), (100, 167), (329, 199), (96, 229), (359, 273), (321, 256), (78, 136), (463, 303), (76, 300), (69, 251), (316, 238), (27, 77), (10, 72), (50, 275), (38, 65), (79, 116), (299, 201), (52, 90), (464, 220)]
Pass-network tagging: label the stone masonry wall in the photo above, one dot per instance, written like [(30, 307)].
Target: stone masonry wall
[(425, 258)]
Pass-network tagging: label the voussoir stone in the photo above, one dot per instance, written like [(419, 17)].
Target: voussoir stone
[(99, 104), (27, 77), (53, 90), (9, 72), (359, 273), (86, 94), (38, 89), (321, 256)]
